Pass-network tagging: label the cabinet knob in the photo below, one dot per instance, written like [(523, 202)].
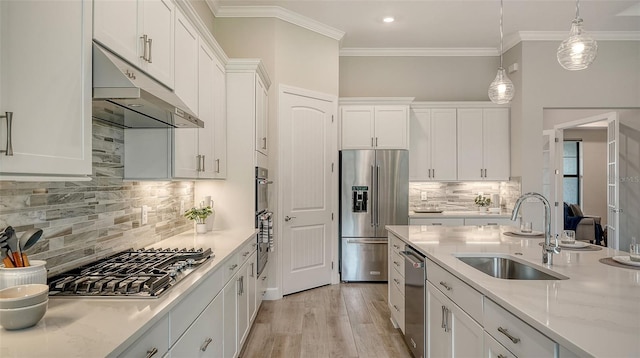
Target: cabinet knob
[(152, 352)]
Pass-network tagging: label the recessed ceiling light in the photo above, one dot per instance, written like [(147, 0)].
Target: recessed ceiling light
[(388, 19)]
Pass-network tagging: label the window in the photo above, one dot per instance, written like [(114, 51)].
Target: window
[(572, 179)]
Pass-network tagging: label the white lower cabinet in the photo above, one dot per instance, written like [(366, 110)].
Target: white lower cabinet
[(396, 282), (451, 332), (205, 336), (463, 221), (252, 289), (437, 221), (154, 343)]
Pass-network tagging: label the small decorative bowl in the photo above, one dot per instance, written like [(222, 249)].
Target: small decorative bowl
[(23, 317), (23, 295)]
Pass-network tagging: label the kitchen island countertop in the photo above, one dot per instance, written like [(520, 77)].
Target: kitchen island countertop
[(98, 327), (596, 312)]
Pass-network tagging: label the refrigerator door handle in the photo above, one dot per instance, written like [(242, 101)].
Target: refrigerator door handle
[(367, 242), (377, 195), (373, 207)]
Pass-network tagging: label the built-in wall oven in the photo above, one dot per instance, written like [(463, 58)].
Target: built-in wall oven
[(264, 218)]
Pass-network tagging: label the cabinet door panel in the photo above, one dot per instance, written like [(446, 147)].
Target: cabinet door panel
[(206, 333), (420, 144), (45, 79), (443, 144), (115, 25), (206, 110), (470, 144), (356, 123), (467, 335), (390, 127), (495, 134), (158, 25), (186, 62), (185, 153), (220, 120), (261, 117), (230, 318), (438, 341)]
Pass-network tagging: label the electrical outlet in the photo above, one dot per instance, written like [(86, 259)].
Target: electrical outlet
[(181, 207), (423, 195), (145, 214)]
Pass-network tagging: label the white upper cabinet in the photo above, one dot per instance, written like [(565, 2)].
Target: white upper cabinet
[(483, 144), (140, 31), (186, 62), (45, 79), (432, 150), (374, 124), (219, 100), (262, 124)]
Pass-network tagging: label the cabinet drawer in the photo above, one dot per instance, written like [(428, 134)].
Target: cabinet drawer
[(489, 221), (459, 292), (437, 221), (247, 249), (397, 245), (397, 280), (231, 266), (397, 262), (517, 336), (188, 309), (493, 348), (155, 339), (396, 306)]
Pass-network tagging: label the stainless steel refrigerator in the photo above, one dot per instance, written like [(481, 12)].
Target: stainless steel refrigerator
[(374, 192)]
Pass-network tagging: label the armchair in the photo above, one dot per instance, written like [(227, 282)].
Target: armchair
[(587, 227)]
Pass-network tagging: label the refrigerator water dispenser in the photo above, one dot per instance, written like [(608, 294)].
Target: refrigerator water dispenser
[(359, 198)]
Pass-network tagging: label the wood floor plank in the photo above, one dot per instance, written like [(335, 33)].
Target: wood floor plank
[(345, 320)]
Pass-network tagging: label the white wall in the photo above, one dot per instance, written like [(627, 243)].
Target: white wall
[(425, 78)]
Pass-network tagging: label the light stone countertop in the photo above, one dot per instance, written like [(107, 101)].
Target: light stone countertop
[(456, 214), (98, 327), (596, 312)]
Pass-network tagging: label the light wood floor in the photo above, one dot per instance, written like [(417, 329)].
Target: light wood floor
[(344, 320)]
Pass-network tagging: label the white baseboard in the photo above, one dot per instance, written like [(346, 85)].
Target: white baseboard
[(272, 294)]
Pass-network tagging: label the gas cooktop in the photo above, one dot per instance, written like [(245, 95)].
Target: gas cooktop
[(145, 273)]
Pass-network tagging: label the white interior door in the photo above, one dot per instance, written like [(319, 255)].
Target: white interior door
[(613, 219), (308, 152)]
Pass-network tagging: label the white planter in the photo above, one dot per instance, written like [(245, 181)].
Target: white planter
[(201, 228)]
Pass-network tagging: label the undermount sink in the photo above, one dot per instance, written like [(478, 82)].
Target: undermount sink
[(507, 267)]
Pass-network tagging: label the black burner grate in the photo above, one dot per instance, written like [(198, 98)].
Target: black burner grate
[(132, 273)]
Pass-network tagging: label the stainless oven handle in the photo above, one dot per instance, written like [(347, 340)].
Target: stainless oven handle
[(412, 259)]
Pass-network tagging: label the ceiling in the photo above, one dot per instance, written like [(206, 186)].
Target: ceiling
[(436, 25)]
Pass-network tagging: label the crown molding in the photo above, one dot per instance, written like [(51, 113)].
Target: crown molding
[(520, 36), (243, 65), (203, 31), (431, 52), (375, 100), (279, 13), (214, 6)]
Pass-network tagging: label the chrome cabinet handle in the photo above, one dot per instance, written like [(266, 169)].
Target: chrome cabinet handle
[(233, 267), (396, 263), (396, 246), (8, 151), (506, 333), (376, 141), (217, 165), (149, 58), (198, 161), (144, 39), (244, 254), (442, 319), (288, 218), (501, 356), (396, 281), (251, 269), (396, 308), (449, 288), (264, 142), (202, 158), (371, 141), (446, 320), (429, 173), (151, 352), (264, 278), (206, 343)]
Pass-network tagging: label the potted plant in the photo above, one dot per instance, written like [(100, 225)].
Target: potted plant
[(483, 202), (199, 215)]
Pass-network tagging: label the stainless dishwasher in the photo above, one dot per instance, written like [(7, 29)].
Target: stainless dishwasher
[(415, 276)]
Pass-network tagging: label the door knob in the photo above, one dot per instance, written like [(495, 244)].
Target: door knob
[(287, 218)]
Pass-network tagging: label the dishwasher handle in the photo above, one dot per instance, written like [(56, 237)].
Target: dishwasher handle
[(411, 257)]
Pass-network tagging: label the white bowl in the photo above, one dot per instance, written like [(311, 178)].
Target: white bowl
[(23, 295), (13, 276), (23, 317)]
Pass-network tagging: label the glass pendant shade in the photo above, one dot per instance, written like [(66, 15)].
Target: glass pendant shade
[(501, 90), (579, 50)]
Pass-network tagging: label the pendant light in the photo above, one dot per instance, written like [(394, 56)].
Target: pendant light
[(501, 90), (579, 50)]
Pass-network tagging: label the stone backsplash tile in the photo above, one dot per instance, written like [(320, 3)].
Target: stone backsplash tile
[(85, 220), (461, 195)]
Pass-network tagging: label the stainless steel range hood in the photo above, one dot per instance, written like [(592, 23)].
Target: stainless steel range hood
[(128, 98)]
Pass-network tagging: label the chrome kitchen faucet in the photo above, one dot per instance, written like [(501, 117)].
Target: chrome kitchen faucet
[(547, 249)]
